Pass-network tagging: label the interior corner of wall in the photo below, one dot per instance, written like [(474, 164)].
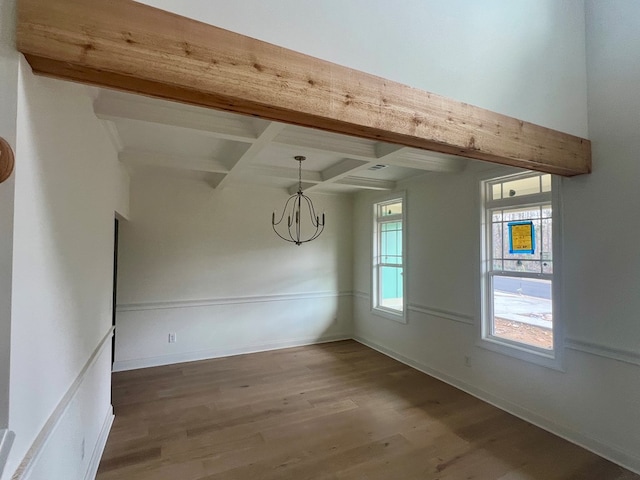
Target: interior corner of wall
[(122, 207)]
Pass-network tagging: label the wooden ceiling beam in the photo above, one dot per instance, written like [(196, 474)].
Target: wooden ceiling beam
[(130, 46)]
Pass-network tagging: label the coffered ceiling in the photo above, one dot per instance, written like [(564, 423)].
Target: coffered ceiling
[(226, 149)]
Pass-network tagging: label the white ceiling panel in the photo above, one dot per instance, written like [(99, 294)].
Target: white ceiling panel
[(319, 140), (280, 155), (224, 149), (389, 172), (165, 139)]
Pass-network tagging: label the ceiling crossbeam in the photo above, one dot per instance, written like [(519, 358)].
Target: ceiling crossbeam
[(367, 183), (113, 108), (264, 139), (155, 159)]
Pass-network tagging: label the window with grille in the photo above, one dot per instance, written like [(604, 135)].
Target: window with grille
[(518, 276), (388, 258)]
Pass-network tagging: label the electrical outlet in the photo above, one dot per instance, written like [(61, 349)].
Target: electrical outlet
[(467, 360), (172, 337)]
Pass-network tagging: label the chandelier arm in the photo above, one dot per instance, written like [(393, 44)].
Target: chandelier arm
[(298, 215), (315, 215), (295, 223), (291, 236), (315, 235), (284, 211), (283, 238), (315, 219), (293, 219), (288, 207)]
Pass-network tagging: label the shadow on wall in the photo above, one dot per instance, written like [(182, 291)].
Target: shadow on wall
[(206, 266)]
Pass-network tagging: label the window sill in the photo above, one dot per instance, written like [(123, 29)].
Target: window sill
[(394, 315), (520, 351)]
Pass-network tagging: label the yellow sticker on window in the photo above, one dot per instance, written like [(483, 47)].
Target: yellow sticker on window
[(521, 237)]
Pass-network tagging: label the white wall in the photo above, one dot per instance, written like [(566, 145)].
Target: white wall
[(524, 58), (602, 220), (8, 106), (67, 177), (206, 265)]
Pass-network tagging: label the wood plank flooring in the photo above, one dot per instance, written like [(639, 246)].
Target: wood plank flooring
[(329, 412)]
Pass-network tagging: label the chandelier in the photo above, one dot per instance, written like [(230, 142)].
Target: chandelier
[(298, 208)]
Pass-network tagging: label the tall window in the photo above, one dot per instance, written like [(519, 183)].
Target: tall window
[(388, 258), (518, 265)]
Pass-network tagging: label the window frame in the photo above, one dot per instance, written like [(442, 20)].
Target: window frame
[(548, 358), (376, 308)]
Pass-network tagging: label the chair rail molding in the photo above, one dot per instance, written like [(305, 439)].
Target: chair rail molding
[(210, 302), (6, 440), (604, 351)]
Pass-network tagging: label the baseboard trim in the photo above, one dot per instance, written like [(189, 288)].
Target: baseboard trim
[(208, 302), (94, 462), (124, 365), (614, 454), (43, 436), (604, 351), (446, 314)]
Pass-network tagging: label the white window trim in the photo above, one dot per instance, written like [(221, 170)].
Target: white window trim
[(387, 313), (555, 358)]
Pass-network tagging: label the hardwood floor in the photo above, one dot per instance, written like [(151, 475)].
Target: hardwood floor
[(326, 412)]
